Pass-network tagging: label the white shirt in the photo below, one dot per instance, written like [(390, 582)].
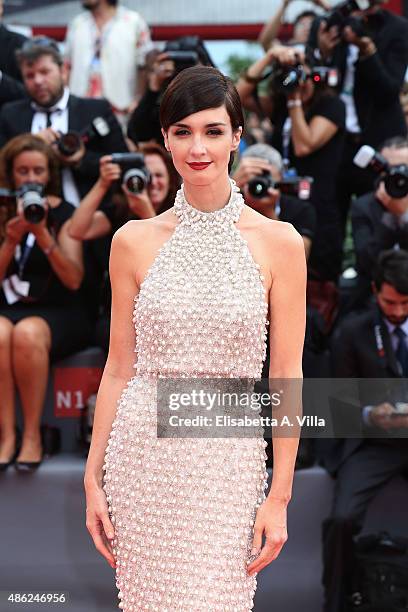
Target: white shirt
[(125, 40), (59, 122), (347, 94)]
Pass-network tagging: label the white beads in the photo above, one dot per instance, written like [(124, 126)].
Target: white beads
[(183, 510)]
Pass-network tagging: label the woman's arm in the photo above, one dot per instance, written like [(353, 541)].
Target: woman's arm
[(308, 137), (271, 29), (246, 85), (117, 372), (119, 365), (287, 305), (64, 255), (88, 223), (287, 302)]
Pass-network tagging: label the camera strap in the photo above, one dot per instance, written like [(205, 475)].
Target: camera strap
[(22, 259)]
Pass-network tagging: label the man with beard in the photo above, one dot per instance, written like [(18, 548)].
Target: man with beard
[(372, 346), (50, 110), (105, 50)]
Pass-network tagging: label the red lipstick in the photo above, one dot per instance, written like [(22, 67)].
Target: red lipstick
[(199, 165)]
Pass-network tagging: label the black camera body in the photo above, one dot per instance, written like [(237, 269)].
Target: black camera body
[(70, 143), (135, 174), (395, 178), (298, 186), (33, 201), (340, 16), (287, 78)]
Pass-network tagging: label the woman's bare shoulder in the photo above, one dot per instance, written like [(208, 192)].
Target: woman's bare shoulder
[(273, 233), (138, 232)]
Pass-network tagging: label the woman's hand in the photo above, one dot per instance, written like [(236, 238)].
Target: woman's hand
[(287, 56), (271, 518), (98, 522), (108, 172), (140, 203), (15, 229)]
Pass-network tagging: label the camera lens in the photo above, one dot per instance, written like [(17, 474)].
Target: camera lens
[(259, 185), (134, 180), (69, 144), (396, 182), (33, 206)]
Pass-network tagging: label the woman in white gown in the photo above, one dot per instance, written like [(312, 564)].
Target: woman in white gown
[(182, 519)]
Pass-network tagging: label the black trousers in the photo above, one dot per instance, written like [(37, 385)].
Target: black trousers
[(359, 478)]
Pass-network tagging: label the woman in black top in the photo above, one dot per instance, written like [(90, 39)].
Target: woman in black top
[(309, 126), (41, 316)]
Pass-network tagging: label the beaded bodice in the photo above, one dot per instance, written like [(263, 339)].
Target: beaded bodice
[(201, 310)]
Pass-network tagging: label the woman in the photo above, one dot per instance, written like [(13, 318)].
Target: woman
[(309, 126), (175, 516), (41, 317), (88, 222)]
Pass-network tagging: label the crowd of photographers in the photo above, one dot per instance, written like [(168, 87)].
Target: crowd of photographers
[(325, 148)]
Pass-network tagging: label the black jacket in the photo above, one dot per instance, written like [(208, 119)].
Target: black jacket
[(378, 78), (357, 354), (9, 43), (374, 230), (16, 118)]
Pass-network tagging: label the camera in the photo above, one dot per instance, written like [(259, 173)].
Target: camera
[(187, 51), (33, 201), (340, 16), (135, 174), (395, 178), (70, 143), (288, 78), (297, 186)]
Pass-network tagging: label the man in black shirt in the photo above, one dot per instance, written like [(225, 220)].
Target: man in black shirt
[(379, 222)]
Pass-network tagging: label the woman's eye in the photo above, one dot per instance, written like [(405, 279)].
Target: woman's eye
[(181, 132), (215, 132)]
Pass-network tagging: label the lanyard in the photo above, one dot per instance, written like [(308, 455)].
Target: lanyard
[(22, 260), (286, 133)]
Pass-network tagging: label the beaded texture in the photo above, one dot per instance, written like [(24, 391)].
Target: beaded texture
[(184, 509)]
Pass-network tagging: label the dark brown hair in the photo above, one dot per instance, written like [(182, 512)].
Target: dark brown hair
[(200, 88), (196, 89), (37, 47), (392, 268), (26, 143)]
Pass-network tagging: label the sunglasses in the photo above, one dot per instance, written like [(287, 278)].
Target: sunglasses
[(40, 41)]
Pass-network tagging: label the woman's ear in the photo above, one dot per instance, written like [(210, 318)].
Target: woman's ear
[(236, 138), (166, 140)]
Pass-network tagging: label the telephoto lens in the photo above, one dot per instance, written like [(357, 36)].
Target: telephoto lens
[(34, 203), (68, 144)]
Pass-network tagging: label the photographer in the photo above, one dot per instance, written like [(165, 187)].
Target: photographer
[(370, 50), (308, 124), (11, 87), (379, 221), (41, 269), (144, 124), (262, 162), (50, 110), (88, 223)]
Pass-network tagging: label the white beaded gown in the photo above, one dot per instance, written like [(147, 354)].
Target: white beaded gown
[(183, 509)]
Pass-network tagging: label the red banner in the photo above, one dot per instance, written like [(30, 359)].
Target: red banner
[(72, 387)]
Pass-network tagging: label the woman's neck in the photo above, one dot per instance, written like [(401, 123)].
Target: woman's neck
[(208, 198)]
